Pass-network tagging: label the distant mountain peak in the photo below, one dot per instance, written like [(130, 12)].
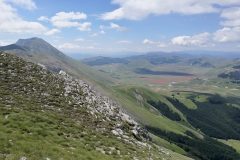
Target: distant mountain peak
[(38, 46), (32, 41), (29, 39)]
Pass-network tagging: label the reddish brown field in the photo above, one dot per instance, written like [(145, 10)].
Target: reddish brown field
[(168, 79)]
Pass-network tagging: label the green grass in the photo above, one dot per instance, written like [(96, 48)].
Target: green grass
[(196, 112), (198, 116), (233, 143), (167, 144), (144, 115), (41, 127), (183, 98), (39, 136)]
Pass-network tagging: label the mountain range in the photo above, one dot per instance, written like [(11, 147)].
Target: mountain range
[(51, 116), (116, 108), (37, 50)]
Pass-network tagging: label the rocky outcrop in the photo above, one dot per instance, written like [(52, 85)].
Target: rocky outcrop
[(104, 109)]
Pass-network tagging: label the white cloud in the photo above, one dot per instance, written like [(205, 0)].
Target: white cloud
[(65, 24), (156, 43), (68, 46), (80, 40), (68, 16), (4, 43), (224, 35), (231, 17), (227, 34), (117, 27), (161, 45), (43, 18), (201, 39), (52, 32), (28, 4), (231, 26), (124, 42), (94, 35), (11, 22), (74, 47), (147, 41), (86, 26), (231, 13), (113, 26), (139, 9), (69, 19), (102, 32)]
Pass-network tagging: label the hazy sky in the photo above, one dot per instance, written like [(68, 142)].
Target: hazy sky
[(113, 26)]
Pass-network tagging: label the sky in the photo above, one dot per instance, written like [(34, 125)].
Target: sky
[(110, 27)]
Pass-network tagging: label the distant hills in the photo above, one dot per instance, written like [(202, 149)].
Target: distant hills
[(185, 102), (154, 59), (104, 60), (233, 74), (236, 67), (159, 58), (144, 71)]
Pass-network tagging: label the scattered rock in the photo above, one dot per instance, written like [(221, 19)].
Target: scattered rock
[(23, 158)]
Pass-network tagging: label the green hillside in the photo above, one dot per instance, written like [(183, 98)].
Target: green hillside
[(191, 125), (187, 110), (50, 116)]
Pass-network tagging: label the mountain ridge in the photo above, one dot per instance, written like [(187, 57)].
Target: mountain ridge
[(37, 50), (70, 110), (163, 114)]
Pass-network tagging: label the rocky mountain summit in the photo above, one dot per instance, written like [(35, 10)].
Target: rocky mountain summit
[(55, 116)]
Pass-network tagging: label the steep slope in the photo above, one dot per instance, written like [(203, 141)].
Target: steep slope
[(162, 115), (188, 120), (53, 116), (39, 46), (39, 51)]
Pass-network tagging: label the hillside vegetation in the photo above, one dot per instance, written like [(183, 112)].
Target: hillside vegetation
[(50, 116), (181, 108), (188, 120)]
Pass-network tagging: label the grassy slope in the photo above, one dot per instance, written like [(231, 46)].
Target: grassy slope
[(150, 117), (147, 115), (73, 67), (143, 114), (37, 136), (28, 129), (233, 143)]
